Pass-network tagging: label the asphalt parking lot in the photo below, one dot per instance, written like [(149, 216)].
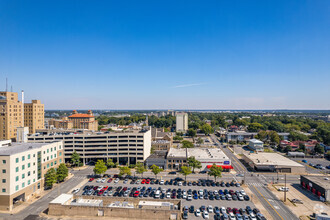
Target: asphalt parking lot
[(323, 162), (197, 203)]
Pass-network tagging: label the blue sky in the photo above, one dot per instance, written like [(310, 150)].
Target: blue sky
[(168, 54)]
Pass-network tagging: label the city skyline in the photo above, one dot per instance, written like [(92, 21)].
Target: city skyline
[(152, 55)]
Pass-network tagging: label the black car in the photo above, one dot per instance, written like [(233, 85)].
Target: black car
[(173, 173), (222, 184), (234, 197), (246, 198), (199, 184), (191, 209), (255, 210)]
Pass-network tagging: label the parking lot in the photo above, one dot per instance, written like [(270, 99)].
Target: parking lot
[(198, 194), (314, 161)]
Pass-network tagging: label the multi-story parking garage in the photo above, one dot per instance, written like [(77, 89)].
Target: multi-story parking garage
[(125, 147)]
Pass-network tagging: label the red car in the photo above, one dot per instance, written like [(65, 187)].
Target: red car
[(136, 194), (100, 192), (110, 180), (91, 179), (105, 188), (143, 181), (229, 210), (147, 181), (235, 210)]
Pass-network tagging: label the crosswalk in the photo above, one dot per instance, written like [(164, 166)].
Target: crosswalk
[(255, 184)]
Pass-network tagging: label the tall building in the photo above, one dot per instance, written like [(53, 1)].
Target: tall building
[(11, 115), (34, 116), (76, 121), (181, 122), (23, 167)]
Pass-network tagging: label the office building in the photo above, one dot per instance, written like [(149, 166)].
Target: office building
[(34, 116), (13, 115), (256, 145), (123, 147), (177, 157), (181, 122), (23, 166), (76, 121)]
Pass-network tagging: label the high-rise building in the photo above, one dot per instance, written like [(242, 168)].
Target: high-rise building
[(181, 122), (34, 116), (11, 115)]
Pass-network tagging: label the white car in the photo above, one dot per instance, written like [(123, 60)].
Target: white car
[(243, 192), (184, 196), (100, 187), (283, 189), (161, 182), (210, 209), (252, 216), (206, 215), (102, 180), (189, 197), (75, 191), (200, 192), (163, 190), (180, 184), (198, 213), (116, 180), (168, 195), (223, 210), (240, 197), (98, 180), (232, 216)]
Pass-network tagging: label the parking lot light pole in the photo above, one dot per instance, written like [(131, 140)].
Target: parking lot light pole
[(284, 187)]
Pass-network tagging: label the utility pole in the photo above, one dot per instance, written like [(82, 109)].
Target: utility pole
[(284, 187)]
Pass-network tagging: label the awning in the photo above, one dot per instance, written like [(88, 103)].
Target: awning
[(225, 167)]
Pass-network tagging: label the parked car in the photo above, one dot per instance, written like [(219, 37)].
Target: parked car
[(304, 161)]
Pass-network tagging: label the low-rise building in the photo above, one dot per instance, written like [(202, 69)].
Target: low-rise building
[(318, 185), (177, 157), (256, 145), (246, 136), (23, 167), (123, 147), (272, 162), (158, 158)]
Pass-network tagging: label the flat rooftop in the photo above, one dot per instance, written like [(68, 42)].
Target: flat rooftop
[(19, 148), (319, 180), (59, 132), (198, 153), (61, 199), (271, 159)]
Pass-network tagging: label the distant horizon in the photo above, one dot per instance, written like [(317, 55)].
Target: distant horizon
[(322, 110)]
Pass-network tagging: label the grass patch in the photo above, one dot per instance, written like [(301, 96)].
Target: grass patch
[(268, 150)]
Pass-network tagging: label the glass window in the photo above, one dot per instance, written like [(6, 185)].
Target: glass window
[(51, 156), (51, 163), (29, 182), (3, 171), (29, 173), (23, 175), (60, 153), (54, 148), (3, 180), (16, 188), (23, 158), (34, 155), (47, 150), (3, 190), (17, 160), (54, 155), (4, 161), (17, 169), (55, 162), (60, 160), (29, 156), (23, 185), (47, 165), (34, 180), (51, 149), (23, 167), (17, 178), (29, 165)]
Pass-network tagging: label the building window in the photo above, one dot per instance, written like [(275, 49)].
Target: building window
[(60, 153), (34, 155), (29, 156), (54, 155), (3, 161), (47, 165), (23, 167), (29, 182), (51, 164), (60, 160), (54, 148), (55, 162), (3, 180), (51, 156), (47, 150), (16, 188), (29, 173), (23, 176), (51, 149), (4, 171), (3, 190), (47, 158), (34, 180), (29, 165), (17, 178), (17, 160), (23, 158), (23, 185), (17, 169)]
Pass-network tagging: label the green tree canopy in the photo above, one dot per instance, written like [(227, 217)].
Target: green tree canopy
[(62, 172), (215, 171), (254, 127), (75, 159), (110, 163), (50, 177), (124, 170), (192, 162), (100, 167), (191, 132), (155, 170), (319, 149), (187, 144), (140, 168), (206, 129), (200, 141), (185, 171)]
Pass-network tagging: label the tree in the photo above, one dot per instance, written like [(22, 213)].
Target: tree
[(302, 147), (254, 127), (75, 159), (215, 171), (187, 144), (191, 132), (62, 172), (262, 135), (185, 171), (140, 168), (287, 149), (200, 141), (124, 170), (274, 138), (110, 163), (100, 167), (192, 162), (155, 170), (50, 177), (207, 129), (319, 149)]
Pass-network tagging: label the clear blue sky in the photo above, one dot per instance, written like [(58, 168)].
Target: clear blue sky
[(168, 54)]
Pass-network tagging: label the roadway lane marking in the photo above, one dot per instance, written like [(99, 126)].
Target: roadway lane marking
[(238, 163), (269, 203)]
